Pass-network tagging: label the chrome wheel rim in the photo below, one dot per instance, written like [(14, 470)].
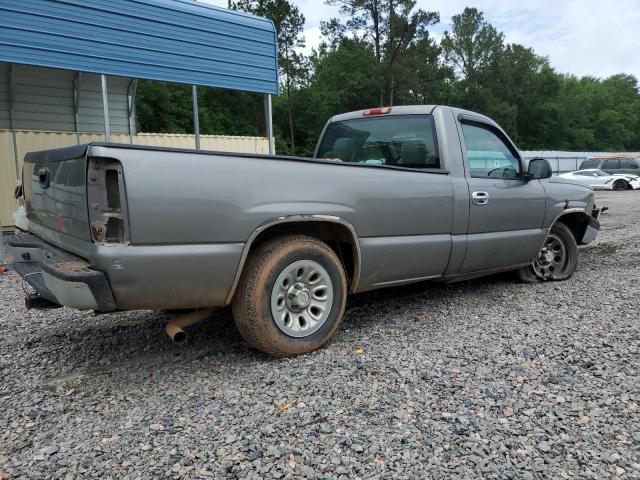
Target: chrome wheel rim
[(551, 258), (301, 298)]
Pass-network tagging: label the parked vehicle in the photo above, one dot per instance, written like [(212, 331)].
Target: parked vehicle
[(623, 164), (601, 180), (392, 196)]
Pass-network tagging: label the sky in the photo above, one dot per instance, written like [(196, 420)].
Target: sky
[(583, 37)]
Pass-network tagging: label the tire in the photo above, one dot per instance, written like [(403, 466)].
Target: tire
[(269, 283), (619, 185), (556, 260)]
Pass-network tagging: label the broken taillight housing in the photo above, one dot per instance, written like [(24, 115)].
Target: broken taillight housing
[(107, 202)]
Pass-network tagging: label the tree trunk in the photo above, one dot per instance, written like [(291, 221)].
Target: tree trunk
[(290, 108), (377, 40)]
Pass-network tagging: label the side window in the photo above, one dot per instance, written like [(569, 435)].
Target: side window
[(611, 165), (629, 164), (487, 153)]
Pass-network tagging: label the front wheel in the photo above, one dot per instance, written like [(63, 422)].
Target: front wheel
[(291, 296), (556, 260)]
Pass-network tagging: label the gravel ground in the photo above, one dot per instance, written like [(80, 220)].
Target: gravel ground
[(489, 378)]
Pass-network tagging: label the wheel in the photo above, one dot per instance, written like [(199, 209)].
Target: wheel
[(291, 296), (619, 185), (556, 260)]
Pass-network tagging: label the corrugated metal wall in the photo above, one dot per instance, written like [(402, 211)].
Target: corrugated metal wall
[(564, 161), (43, 100), (5, 121), (34, 141), (180, 41)]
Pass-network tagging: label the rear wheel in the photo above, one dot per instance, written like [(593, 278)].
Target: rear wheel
[(556, 260), (619, 185), (291, 296)]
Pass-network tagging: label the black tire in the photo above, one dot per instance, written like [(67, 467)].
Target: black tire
[(620, 185), (252, 302), (541, 270)]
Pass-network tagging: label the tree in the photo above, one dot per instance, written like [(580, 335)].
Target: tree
[(383, 53), (289, 23), (473, 48), (391, 27)]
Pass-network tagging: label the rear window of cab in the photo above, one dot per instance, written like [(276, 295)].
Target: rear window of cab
[(399, 140)]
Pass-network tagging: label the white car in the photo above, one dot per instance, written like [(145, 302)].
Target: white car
[(601, 180)]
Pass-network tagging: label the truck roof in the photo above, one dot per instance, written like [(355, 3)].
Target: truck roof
[(406, 110)]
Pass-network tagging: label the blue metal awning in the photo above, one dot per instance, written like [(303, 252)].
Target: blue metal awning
[(178, 41)]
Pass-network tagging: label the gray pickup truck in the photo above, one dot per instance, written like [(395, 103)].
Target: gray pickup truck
[(392, 196)]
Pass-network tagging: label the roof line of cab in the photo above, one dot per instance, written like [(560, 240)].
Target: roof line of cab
[(405, 110)]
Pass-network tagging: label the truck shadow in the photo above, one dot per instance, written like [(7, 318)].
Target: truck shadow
[(124, 344)]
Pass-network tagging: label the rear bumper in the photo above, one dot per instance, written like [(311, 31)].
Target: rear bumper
[(59, 276)]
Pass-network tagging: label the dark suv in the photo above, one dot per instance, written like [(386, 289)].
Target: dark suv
[(612, 164)]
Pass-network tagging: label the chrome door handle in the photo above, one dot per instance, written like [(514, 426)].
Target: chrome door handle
[(479, 198)]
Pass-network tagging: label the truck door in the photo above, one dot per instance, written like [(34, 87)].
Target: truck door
[(506, 213)]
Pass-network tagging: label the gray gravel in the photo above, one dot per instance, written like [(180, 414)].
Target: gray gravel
[(489, 378)]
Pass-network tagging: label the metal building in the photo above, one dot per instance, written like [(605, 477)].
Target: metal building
[(45, 99), (100, 48)]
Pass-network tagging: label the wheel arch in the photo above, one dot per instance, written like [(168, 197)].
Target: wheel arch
[(337, 232), (575, 220), (624, 181)]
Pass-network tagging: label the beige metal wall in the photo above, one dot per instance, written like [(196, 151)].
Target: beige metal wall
[(31, 141)]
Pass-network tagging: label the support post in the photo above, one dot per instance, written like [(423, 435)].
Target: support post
[(196, 116), (131, 106), (12, 121), (268, 115), (105, 108), (76, 104)]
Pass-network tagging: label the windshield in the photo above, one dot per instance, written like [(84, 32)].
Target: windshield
[(400, 140)]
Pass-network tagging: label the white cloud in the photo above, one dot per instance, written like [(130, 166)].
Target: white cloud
[(583, 37)]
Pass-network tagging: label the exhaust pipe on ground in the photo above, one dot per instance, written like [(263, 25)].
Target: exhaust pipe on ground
[(175, 328)]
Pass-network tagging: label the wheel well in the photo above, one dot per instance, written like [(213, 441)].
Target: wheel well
[(576, 222), (338, 236)]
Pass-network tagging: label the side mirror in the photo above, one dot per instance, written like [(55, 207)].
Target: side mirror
[(539, 168)]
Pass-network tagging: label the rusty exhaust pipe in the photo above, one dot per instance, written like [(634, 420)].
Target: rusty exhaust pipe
[(175, 328)]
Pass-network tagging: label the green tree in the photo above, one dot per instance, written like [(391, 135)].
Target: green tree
[(392, 27), (289, 23), (383, 53), (473, 48)]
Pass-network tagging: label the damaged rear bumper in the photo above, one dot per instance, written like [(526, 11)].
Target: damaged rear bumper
[(58, 276)]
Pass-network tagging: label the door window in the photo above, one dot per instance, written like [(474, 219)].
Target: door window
[(488, 154)]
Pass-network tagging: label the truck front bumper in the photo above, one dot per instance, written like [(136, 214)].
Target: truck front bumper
[(593, 227), (58, 276)]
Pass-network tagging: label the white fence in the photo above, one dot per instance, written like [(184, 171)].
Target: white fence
[(564, 161)]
